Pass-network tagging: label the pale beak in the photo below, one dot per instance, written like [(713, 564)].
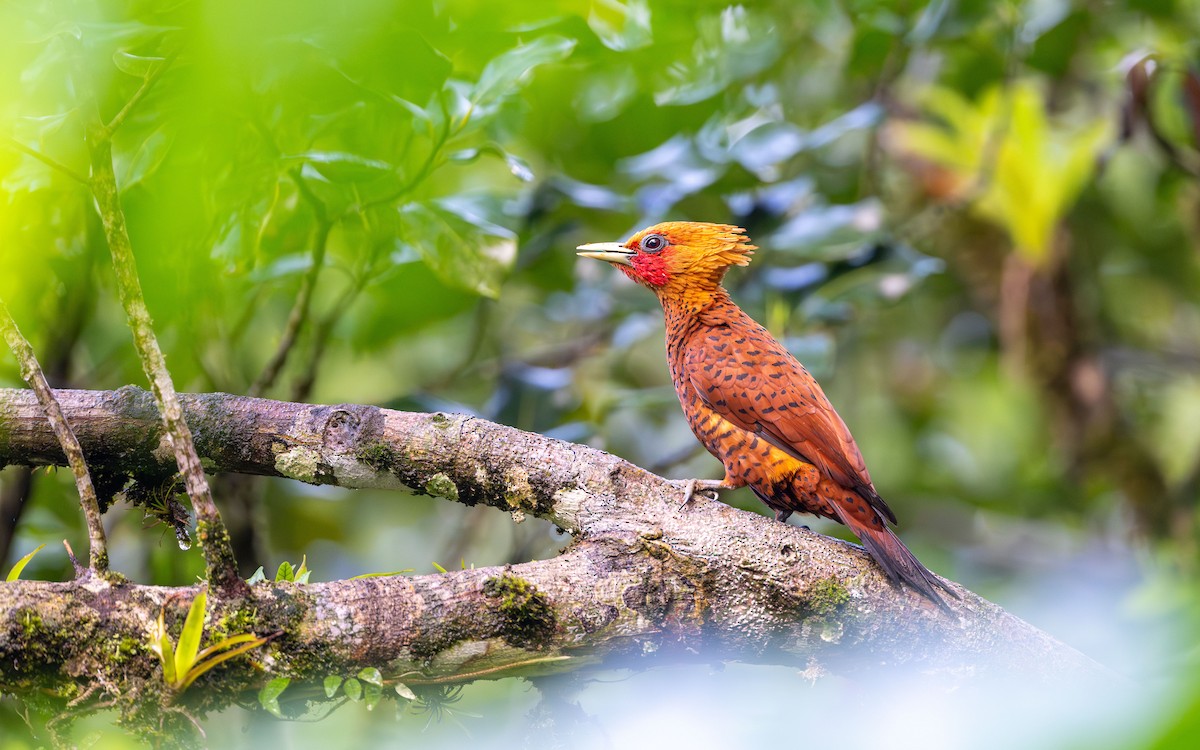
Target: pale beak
[(613, 252)]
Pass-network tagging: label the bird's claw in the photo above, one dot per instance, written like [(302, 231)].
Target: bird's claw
[(706, 488)]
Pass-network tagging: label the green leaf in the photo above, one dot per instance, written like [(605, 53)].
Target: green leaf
[(380, 575), (517, 166), (189, 637), (258, 577), (285, 572), (439, 568), (227, 643), (302, 572), (371, 676), (15, 573), (146, 160), (160, 643), (353, 689), (135, 65), (332, 683), (342, 167), (502, 74), (371, 695), (459, 244), (405, 692), (268, 697), (204, 666)]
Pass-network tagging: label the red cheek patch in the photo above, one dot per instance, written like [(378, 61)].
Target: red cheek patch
[(651, 269)]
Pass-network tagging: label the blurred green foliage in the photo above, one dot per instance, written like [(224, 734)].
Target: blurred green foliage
[(978, 225)]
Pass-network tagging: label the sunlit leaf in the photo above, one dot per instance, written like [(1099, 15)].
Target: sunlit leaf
[(370, 675), (606, 93), (226, 643), (302, 573), (462, 247), (331, 685), (381, 575), (147, 158), (1026, 170), (404, 691), (504, 72), (205, 665), (517, 166), (733, 46), (621, 24), (343, 167), (161, 644), (189, 637), (15, 573), (268, 696), (353, 689), (372, 694), (135, 65)]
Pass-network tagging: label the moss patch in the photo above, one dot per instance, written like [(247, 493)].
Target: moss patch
[(379, 456), (446, 634), (518, 493), (826, 596), (527, 620), (302, 464), (441, 485), (822, 602)]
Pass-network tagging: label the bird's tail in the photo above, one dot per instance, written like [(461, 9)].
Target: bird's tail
[(900, 564)]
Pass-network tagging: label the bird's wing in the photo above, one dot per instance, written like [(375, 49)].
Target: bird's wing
[(747, 377)]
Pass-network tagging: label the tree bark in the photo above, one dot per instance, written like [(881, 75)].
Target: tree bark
[(641, 580)]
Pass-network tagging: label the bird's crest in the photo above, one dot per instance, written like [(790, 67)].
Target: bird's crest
[(705, 247), (680, 260)]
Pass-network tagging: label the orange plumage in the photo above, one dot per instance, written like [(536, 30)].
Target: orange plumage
[(748, 400)]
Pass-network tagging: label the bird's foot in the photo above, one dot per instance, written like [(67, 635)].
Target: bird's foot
[(708, 488)]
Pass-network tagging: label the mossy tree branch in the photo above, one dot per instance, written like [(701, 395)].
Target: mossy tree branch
[(641, 579)]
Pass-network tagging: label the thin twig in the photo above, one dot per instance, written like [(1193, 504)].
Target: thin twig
[(32, 373), (53, 164), (299, 314), (304, 385), (221, 565)]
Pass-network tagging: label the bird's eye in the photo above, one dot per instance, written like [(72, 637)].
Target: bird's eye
[(652, 243)]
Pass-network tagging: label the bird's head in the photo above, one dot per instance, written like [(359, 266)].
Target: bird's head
[(677, 258)]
